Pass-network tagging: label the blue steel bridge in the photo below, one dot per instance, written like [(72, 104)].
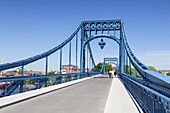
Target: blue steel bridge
[(88, 92)]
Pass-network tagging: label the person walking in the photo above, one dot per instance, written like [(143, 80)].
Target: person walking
[(110, 74)]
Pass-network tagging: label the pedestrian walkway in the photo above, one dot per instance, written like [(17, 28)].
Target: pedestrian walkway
[(119, 100)]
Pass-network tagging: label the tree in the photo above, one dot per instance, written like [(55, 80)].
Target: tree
[(19, 72), (168, 74), (58, 72), (51, 73), (108, 67), (6, 75), (99, 67), (15, 71), (153, 68), (159, 71)]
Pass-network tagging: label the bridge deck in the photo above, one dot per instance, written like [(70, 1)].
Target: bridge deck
[(87, 97), (97, 95)]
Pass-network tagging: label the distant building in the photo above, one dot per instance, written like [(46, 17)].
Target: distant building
[(27, 73), (164, 71), (8, 74), (65, 69)]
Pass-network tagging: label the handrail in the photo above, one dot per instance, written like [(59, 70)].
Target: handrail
[(4, 79)]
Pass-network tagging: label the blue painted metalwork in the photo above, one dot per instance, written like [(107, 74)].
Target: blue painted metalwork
[(92, 38), (76, 50), (90, 30), (87, 60), (150, 100), (60, 59), (21, 83), (129, 67), (135, 72), (109, 61), (70, 57), (46, 69), (41, 80)]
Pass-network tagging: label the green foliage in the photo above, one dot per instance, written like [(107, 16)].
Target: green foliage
[(99, 67), (19, 72), (132, 71), (93, 70), (6, 75), (153, 68), (51, 73), (53, 79), (168, 74), (58, 72), (159, 71), (15, 71), (108, 68)]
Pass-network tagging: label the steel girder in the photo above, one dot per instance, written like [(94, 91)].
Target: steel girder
[(152, 79), (92, 38), (110, 61)]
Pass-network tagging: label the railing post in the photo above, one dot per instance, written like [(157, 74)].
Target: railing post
[(38, 83), (5, 88), (153, 103), (46, 70), (87, 60), (60, 60), (22, 74)]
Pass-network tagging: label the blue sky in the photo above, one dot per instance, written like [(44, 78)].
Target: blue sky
[(30, 27)]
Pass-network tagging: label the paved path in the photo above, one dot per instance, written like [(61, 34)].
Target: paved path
[(119, 100), (86, 97)]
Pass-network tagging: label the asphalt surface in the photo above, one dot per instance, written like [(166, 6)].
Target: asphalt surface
[(86, 97)]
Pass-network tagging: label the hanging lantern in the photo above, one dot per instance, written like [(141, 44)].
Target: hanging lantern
[(102, 44)]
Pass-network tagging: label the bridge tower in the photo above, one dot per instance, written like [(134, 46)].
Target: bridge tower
[(102, 29)]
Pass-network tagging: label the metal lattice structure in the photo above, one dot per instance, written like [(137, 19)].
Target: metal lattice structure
[(109, 61), (155, 87)]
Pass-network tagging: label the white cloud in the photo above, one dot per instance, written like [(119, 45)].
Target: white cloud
[(158, 59)]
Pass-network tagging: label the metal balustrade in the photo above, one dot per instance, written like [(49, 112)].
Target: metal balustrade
[(150, 100), (37, 82)]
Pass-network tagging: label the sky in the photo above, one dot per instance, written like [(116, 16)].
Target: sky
[(31, 27)]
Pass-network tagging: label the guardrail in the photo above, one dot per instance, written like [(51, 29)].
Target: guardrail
[(150, 100), (19, 84)]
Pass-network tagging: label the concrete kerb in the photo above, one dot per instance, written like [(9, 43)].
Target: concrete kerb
[(9, 100)]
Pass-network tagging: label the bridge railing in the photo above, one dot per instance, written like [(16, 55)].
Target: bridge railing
[(150, 100), (19, 84)]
